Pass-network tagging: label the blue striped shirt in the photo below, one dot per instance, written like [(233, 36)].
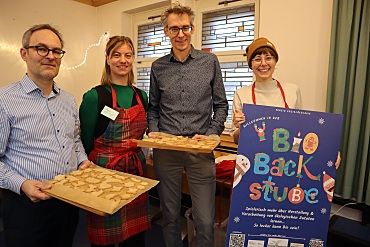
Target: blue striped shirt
[(39, 136)]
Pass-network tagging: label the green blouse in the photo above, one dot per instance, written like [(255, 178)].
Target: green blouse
[(89, 111)]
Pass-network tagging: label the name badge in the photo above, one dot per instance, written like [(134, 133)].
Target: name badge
[(109, 113)]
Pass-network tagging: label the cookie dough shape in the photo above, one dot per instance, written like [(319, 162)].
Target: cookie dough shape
[(97, 193), (76, 173), (131, 190), (115, 189), (136, 180), (113, 180), (91, 188), (129, 184), (140, 187), (126, 196), (71, 178), (104, 185), (78, 183), (92, 180), (59, 177)]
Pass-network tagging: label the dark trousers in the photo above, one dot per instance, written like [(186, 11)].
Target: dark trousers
[(138, 240), (50, 223), (201, 174)]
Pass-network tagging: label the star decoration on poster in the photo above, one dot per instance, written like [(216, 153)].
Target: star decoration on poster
[(321, 121), (330, 163)]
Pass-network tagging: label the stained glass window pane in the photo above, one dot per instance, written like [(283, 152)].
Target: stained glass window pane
[(229, 29), (235, 75), (151, 41), (143, 79)]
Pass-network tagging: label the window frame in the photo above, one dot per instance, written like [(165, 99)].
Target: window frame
[(211, 6), (144, 62)]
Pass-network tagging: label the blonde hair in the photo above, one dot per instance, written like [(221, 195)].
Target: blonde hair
[(113, 44)]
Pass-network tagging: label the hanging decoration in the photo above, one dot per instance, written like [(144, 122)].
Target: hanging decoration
[(103, 37)]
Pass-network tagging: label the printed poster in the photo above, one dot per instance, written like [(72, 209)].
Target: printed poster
[(284, 178)]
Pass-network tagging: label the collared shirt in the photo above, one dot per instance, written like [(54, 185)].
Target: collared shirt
[(187, 98), (39, 136)]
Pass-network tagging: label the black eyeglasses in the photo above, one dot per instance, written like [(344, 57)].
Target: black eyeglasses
[(43, 51), (176, 30)]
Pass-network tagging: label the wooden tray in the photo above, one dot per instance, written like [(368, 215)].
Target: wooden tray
[(171, 142), (62, 193), (96, 204)]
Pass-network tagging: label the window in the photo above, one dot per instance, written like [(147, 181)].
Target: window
[(143, 79), (228, 29), (235, 75), (151, 41)]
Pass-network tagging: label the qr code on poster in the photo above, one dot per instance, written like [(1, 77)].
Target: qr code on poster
[(316, 243), (237, 240)]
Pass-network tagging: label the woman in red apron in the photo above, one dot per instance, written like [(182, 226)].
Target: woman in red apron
[(108, 140)]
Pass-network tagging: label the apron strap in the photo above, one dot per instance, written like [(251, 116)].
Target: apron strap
[(281, 91), (136, 161)]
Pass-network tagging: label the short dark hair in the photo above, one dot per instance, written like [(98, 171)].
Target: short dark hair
[(264, 50), (178, 9), (27, 35)]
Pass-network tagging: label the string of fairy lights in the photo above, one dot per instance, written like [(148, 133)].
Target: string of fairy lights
[(103, 37)]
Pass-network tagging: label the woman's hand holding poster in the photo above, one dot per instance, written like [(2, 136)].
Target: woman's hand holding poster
[(284, 178)]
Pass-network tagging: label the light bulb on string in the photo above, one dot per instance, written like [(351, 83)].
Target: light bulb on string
[(9, 47)]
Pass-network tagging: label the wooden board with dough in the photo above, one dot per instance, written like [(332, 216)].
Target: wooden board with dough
[(99, 190), (180, 143)]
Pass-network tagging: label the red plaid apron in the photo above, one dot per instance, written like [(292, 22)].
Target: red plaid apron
[(115, 150)]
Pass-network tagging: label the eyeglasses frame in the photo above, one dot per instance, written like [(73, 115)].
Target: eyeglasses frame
[(53, 51), (264, 58), (182, 29)]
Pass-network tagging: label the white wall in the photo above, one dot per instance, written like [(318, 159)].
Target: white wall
[(76, 21), (300, 29)]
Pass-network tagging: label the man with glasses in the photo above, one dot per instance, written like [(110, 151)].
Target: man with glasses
[(187, 97), (39, 139)]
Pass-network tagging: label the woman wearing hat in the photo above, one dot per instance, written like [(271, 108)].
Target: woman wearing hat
[(262, 57)]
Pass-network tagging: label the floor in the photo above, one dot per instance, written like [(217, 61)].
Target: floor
[(153, 237), (343, 232), (347, 232)]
